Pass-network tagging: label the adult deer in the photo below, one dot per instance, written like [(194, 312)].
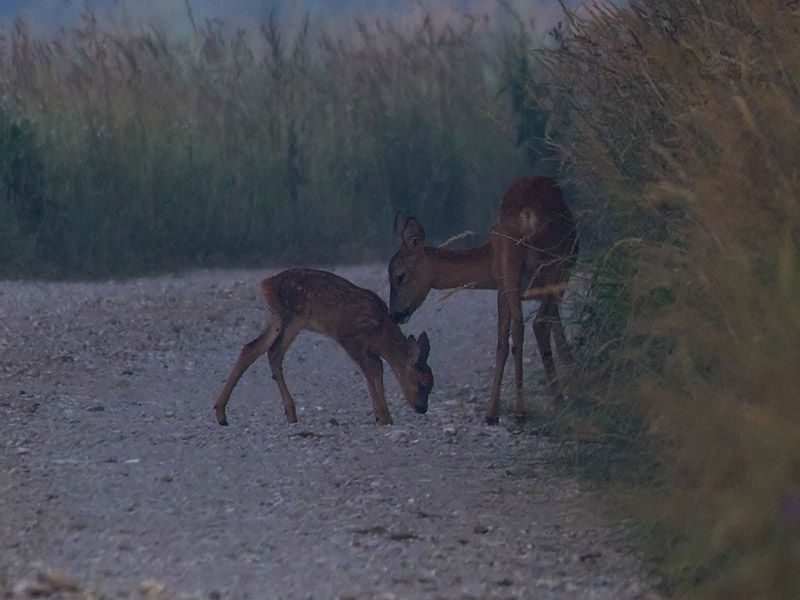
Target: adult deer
[(533, 246), (356, 318)]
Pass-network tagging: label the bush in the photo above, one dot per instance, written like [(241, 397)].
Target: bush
[(686, 116)]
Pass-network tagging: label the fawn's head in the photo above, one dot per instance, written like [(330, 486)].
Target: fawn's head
[(417, 378), (408, 278)]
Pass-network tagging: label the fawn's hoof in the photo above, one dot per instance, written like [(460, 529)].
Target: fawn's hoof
[(224, 422), (520, 418), (490, 420)]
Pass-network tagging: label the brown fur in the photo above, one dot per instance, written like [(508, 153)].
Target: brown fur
[(533, 247), (356, 318)]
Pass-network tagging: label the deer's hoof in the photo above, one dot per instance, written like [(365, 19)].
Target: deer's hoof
[(221, 418), (520, 418), (490, 420)]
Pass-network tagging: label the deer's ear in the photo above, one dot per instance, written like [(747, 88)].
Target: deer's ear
[(409, 232), (414, 347), (420, 349), (400, 220), (424, 348)]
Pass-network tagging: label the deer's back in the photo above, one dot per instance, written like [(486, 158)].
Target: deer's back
[(324, 302), (535, 220)]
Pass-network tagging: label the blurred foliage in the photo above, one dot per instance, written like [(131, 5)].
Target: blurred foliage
[(282, 145), (682, 120), (22, 191)]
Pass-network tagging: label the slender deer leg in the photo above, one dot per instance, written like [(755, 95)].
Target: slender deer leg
[(378, 396), (517, 340), (562, 345), (541, 329), (503, 325), (372, 367), (250, 352), (534, 239), (276, 353), (512, 261)]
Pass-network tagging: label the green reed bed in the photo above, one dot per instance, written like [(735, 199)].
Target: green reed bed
[(143, 151)]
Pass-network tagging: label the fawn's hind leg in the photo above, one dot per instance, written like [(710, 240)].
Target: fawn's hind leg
[(276, 353), (248, 355)]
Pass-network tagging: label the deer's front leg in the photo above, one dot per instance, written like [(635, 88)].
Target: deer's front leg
[(378, 396), (372, 367)]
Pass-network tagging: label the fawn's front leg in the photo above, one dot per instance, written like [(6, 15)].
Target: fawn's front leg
[(372, 367)]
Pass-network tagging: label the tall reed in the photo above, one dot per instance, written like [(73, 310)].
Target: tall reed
[(277, 145)]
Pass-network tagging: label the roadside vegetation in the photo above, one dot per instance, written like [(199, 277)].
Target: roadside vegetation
[(682, 121), (125, 152), (675, 127)]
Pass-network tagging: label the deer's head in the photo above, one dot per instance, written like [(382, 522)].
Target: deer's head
[(409, 279), (417, 379)]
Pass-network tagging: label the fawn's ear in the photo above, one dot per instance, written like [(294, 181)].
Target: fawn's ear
[(408, 231), (420, 349), (424, 348)]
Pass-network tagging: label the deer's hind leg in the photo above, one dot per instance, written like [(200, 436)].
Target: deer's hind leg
[(512, 263), (503, 329), (542, 329), (277, 350), (562, 345), (248, 355)]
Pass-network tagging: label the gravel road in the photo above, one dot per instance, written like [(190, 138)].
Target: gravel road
[(116, 481)]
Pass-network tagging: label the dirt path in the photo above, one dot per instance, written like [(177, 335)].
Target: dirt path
[(113, 470)]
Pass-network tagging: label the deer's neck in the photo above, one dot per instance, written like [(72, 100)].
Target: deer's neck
[(455, 268)]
